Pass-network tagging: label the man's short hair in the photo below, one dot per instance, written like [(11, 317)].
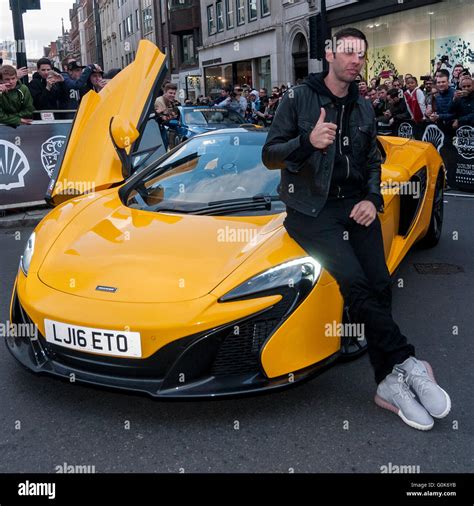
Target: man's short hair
[(443, 73), (43, 61), (351, 32), (393, 92), (170, 86), (381, 87), (264, 90), (7, 70)]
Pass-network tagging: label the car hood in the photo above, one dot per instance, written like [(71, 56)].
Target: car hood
[(141, 256)]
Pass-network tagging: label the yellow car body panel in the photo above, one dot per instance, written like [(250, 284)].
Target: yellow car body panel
[(158, 323), (170, 270), (90, 161)]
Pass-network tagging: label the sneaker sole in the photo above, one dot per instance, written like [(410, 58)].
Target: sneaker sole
[(386, 405), (448, 399)]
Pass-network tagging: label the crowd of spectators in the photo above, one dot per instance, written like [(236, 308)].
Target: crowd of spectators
[(445, 98), (49, 89)]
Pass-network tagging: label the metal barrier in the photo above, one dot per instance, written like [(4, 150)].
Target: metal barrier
[(456, 147), (28, 155)]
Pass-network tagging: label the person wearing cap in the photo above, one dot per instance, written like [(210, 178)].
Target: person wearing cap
[(96, 80), (75, 79), (47, 86)]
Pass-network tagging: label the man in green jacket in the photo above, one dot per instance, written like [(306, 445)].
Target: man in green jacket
[(16, 103)]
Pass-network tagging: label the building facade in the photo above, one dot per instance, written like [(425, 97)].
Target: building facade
[(90, 32), (185, 28), (242, 43), (81, 15), (74, 39), (109, 34), (129, 29)]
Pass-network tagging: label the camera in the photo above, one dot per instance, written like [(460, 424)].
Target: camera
[(445, 59)]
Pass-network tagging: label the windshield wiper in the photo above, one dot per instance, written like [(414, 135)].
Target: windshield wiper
[(221, 206), (243, 204)]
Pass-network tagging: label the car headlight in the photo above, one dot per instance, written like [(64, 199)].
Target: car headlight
[(287, 275), (27, 254)]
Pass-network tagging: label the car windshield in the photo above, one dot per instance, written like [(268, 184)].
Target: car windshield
[(212, 115), (206, 170)]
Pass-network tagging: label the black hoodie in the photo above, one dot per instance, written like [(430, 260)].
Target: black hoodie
[(43, 98), (347, 179)]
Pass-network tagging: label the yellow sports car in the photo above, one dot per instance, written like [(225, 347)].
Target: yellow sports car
[(172, 274)]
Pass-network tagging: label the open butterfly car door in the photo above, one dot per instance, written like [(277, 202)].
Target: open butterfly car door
[(123, 110)]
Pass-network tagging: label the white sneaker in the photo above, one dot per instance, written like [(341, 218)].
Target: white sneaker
[(420, 378), (395, 395)]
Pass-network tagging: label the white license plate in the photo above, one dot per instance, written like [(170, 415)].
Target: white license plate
[(101, 341)]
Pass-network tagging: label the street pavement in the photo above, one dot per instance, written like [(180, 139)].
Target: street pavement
[(329, 424)]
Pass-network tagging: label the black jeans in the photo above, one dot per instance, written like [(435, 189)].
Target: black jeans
[(353, 254)]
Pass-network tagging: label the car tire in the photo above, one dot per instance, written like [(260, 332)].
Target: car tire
[(351, 347), (433, 235)]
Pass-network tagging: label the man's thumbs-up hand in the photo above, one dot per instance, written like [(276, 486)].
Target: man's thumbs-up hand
[(323, 134)]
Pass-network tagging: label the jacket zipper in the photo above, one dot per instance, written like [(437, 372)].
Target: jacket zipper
[(340, 142), (340, 131)]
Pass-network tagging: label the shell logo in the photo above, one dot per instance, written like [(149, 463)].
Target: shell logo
[(434, 135), (13, 166)]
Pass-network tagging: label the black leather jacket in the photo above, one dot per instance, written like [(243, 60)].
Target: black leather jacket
[(307, 171)]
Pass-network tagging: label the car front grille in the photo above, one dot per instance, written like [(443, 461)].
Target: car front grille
[(240, 350)]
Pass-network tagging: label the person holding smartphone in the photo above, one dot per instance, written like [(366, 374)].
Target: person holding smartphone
[(47, 87), (463, 107)]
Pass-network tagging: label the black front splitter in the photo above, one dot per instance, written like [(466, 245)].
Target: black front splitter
[(29, 354)]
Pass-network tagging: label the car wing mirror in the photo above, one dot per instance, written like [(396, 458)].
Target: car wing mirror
[(123, 134)]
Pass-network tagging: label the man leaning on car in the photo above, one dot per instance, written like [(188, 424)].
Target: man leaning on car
[(323, 138)]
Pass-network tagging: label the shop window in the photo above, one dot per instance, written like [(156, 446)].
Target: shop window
[(416, 43), (264, 72)]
